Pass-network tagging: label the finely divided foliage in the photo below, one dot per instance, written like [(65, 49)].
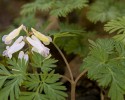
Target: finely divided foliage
[(56, 7), (105, 10), (105, 64), (45, 64), (11, 78), (18, 82), (117, 25)]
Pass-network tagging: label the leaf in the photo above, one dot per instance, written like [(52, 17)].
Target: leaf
[(116, 25), (64, 7), (19, 65), (56, 8), (43, 63), (105, 64), (32, 7), (32, 96), (11, 79), (47, 83), (104, 10)]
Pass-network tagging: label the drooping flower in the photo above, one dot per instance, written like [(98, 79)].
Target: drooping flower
[(17, 45), (8, 38), (38, 46), (45, 39), (23, 56)]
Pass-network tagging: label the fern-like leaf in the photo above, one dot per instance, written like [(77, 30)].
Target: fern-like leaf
[(105, 64), (42, 5), (47, 83), (57, 8), (64, 7), (32, 96), (43, 63), (117, 25), (104, 10), (12, 78)]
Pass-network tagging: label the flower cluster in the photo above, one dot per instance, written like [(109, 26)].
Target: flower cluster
[(34, 40)]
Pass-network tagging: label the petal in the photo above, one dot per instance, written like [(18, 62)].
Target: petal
[(18, 40), (42, 37), (34, 43), (35, 49), (10, 56), (26, 57), (6, 42), (4, 53), (7, 47), (3, 38), (35, 38), (21, 55), (13, 34), (16, 47)]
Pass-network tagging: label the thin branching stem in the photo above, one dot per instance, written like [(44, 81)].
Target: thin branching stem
[(65, 60), (80, 75), (66, 78)]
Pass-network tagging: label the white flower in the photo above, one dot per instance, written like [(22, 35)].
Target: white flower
[(45, 39), (17, 45), (8, 38), (23, 56), (38, 46)]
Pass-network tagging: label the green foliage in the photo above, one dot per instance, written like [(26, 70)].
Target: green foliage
[(117, 25), (17, 82), (47, 83), (105, 10), (32, 96), (43, 63), (76, 43), (105, 64), (11, 79), (32, 21), (56, 7)]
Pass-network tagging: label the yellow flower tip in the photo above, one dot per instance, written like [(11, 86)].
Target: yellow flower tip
[(45, 39)]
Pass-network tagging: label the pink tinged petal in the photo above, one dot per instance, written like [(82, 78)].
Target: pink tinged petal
[(14, 48), (34, 43), (4, 53), (38, 46), (45, 52)]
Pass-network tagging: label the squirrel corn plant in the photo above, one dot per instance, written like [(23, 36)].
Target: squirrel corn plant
[(28, 72)]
